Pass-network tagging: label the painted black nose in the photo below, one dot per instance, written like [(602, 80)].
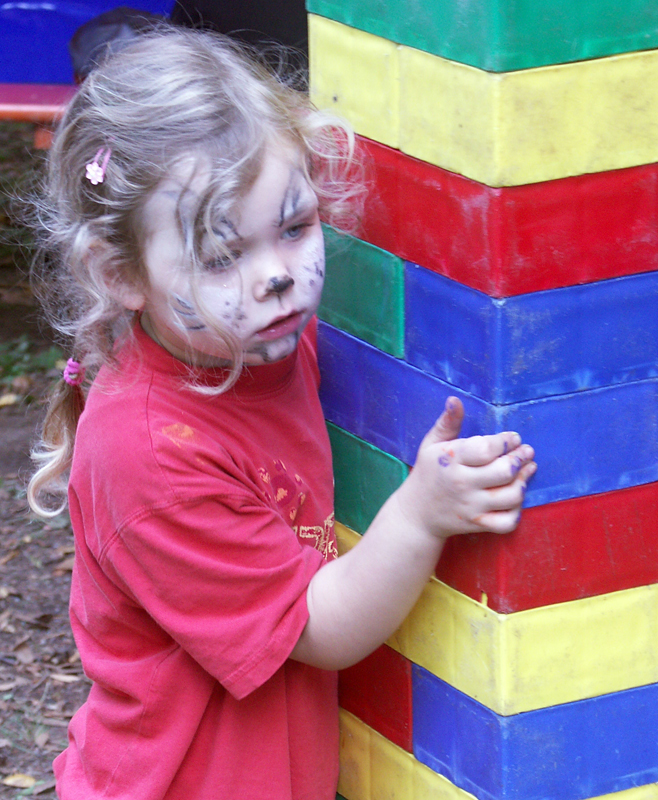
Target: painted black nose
[(279, 285)]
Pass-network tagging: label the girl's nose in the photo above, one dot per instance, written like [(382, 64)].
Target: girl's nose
[(279, 284), (272, 277)]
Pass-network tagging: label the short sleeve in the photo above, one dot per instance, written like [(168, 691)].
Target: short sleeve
[(225, 578)]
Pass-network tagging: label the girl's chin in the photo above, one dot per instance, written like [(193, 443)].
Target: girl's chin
[(270, 352)]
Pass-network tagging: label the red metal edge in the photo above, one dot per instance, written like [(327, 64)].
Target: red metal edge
[(512, 240), (34, 102), (563, 551), (377, 690)]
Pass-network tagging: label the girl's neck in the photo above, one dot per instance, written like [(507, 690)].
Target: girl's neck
[(149, 329)]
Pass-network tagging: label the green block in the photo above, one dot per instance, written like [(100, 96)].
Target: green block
[(365, 478), (504, 35), (364, 291)]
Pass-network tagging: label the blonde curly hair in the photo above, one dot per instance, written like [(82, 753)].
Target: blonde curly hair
[(170, 94)]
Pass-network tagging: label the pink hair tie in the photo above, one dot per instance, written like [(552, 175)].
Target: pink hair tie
[(95, 171), (74, 373)]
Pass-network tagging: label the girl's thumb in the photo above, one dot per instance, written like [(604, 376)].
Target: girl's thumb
[(448, 425)]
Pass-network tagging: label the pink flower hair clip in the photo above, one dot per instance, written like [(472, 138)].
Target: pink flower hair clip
[(95, 170), (74, 373)]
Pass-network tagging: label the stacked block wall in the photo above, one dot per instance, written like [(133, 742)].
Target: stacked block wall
[(508, 256)]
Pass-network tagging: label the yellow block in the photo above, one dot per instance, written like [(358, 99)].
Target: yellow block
[(372, 768), (502, 129), (368, 68), (536, 658)]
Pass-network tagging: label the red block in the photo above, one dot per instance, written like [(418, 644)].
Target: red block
[(378, 691), (563, 551), (512, 240)]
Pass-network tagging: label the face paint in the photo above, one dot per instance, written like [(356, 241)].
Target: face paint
[(188, 316), (263, 293)]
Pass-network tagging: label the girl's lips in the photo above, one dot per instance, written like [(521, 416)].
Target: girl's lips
[(281, 327)]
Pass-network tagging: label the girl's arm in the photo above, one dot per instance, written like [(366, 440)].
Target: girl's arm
[(457, 486)]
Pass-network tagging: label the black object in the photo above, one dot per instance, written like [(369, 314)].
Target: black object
[(108, 31), (256, 22)]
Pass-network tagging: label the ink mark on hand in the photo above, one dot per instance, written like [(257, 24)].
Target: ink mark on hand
[(446, 458)]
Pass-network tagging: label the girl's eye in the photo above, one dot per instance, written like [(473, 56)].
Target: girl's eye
[(295, 231), (221, 263)]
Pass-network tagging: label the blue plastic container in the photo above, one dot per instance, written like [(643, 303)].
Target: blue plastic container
[(34, 36)]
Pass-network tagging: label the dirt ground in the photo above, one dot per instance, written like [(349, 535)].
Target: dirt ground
[(41, 681)]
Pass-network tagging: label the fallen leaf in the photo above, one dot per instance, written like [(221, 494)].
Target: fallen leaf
[(7, 558), (61, 678), (22, 384), (5, 687), (8, 400), (45, 787), (20, 781), (41, 739), (5, 743), (65, 566), (24, 654)]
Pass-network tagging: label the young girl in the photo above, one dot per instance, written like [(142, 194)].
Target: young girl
[(181, 221)]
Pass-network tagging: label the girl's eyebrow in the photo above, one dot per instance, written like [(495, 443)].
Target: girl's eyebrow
[(295, 200)]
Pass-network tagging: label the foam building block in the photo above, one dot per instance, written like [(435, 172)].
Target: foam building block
[(513, 168), (515, 239), (364, 291), (502, 129), (378, 691), (604, 439), (503, 35), (531, 659), (364, 478), (550, 754), (576, 548), (534, 345), (587, 545), (373, 768)]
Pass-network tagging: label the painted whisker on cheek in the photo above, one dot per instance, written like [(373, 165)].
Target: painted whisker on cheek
[(188, 318)]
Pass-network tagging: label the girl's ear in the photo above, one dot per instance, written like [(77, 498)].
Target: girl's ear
[(130, 297), (127, 291)]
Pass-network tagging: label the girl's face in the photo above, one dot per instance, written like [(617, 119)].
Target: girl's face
[(264, 295)]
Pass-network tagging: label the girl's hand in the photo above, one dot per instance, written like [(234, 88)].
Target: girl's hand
[(466, 485)]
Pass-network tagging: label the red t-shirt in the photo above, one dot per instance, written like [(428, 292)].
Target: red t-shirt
[(199, 522)]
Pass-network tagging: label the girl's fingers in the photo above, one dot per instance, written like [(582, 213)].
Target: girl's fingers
[(505, 469), (499, 521), (504, 498), (480, 450)]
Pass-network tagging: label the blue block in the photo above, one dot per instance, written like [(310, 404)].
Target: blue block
[(34, 37), (577, 750), (586, 442), (532, 345)]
